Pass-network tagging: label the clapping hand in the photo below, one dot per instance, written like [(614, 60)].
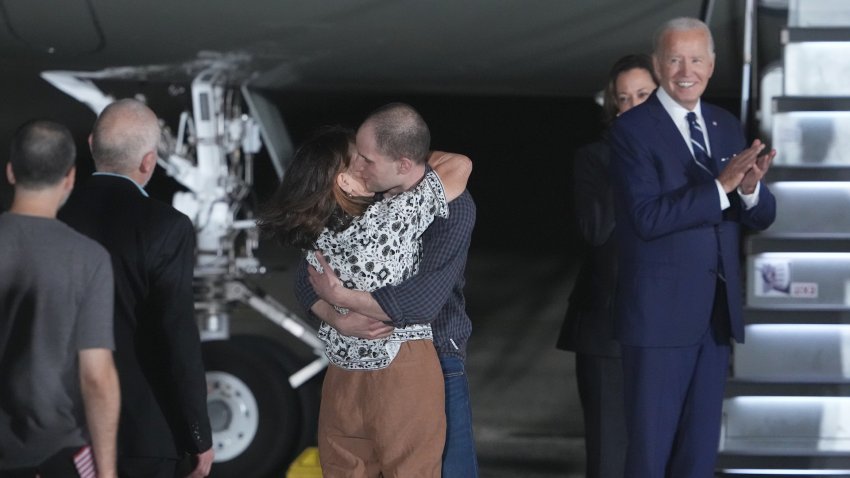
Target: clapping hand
[(757, 171), (739, 166)]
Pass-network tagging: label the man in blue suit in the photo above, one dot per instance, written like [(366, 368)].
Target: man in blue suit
[(684, 186)]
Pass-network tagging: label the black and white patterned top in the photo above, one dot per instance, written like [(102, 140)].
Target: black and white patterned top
[(381, 247)]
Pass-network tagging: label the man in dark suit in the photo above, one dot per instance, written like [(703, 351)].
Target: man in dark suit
[(682, 193), (158, 354)]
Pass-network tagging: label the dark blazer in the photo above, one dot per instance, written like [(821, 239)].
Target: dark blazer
[(589, 322), (158, 354), (670, 228)]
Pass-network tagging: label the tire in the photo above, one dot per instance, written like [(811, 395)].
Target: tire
[(309, 393), (254, 413)]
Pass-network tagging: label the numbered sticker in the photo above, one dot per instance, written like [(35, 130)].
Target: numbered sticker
[(804, 290)]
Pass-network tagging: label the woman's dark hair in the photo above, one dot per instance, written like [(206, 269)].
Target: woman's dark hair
[(624, 64), (309, 199)]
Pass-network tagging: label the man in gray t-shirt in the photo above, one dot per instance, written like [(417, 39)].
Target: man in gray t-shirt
[(56, 303)]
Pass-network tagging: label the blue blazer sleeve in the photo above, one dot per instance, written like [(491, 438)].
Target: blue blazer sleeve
[(660, 196)]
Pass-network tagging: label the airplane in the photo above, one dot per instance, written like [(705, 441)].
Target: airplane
[(63, 58), (479, 48)]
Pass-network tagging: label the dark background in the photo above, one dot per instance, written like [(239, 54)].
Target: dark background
[(521, 150)]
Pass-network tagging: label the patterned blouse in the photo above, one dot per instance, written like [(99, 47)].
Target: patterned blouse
[(381, 247)]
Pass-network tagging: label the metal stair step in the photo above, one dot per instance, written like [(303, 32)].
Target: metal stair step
[(801, 208), (807, 131), (811, 13), (799, 280), (797, 426), (816, 62), (794, 353)]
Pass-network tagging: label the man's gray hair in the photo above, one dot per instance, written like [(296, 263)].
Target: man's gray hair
[(681, 24), (125, 131)]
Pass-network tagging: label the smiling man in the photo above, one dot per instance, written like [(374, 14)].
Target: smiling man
[(685, 184)]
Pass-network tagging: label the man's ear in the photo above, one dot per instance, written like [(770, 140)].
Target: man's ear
[(656, 65), (10, 176), (70, 177), (148, 163), (404, 165)]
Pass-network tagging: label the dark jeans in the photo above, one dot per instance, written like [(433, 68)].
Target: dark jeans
[(459, 459)]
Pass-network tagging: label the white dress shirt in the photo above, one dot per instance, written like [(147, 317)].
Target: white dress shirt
[(678, 114)]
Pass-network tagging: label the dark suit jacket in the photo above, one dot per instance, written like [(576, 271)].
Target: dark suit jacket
[(589, 323), (670, 228), (158, 355)]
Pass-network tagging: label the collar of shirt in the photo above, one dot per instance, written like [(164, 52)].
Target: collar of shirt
[(679, 113), (141, 189)]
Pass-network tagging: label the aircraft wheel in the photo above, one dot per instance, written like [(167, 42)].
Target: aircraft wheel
[(254, 413), (309, 393)]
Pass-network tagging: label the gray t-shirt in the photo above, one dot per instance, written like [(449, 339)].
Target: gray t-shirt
[(56, 298)]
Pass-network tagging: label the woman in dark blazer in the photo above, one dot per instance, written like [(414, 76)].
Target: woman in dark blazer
[(588, 328)]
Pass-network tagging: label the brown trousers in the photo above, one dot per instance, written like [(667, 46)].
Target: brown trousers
[(386, 423)]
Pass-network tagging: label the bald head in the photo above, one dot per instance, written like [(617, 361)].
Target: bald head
[(124, 134)]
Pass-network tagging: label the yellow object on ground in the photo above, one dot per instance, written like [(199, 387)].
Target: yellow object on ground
[(306, 465)]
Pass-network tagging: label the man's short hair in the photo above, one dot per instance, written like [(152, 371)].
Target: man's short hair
[(42, 152), (123, 133), (681, 24), (400, 131)]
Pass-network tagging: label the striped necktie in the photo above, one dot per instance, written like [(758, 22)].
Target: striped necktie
[(698, 144)]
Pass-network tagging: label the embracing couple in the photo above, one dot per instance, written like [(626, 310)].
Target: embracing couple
[(386, 225)]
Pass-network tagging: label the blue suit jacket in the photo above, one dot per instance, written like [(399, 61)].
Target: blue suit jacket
[(671, 230)]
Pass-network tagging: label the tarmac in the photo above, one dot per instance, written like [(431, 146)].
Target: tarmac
[(525, 405)]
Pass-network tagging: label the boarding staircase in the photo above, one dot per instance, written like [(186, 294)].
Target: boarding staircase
[(787, 407)]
